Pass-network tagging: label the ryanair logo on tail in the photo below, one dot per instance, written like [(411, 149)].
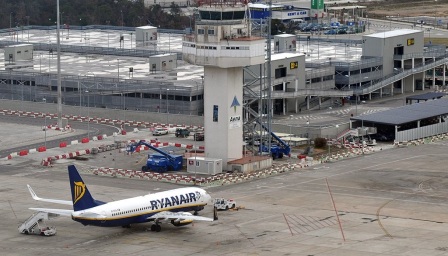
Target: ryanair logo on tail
[(80, 189)]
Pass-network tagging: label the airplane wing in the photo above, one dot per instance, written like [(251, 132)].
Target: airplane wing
[(167, 215), (56, 201), (61, 212)]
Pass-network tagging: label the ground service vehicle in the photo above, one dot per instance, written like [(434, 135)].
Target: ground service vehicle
[(32, 225), (199, 136), (277, 151), (182, 132), (160, 161), (224, 204), (159, 131)]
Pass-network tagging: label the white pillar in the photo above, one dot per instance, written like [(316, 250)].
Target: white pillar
[(284, 106), (434, 78), (413, 82), (444, 79), (423, 76), (223, 97), (296, 103)]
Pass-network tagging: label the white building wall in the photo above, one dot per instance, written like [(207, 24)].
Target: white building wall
[(223, 136), (18, 52), (383, 44)]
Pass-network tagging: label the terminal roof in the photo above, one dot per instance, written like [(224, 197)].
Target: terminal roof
[(285, 55), (393, 33), (427, 96)]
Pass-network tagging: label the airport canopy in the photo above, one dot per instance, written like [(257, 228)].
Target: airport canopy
[(427, 96), (408, 113)]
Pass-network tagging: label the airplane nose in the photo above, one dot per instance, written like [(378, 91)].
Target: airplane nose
[(207, 198)]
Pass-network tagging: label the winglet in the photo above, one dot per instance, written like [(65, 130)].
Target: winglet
[(33, 194)]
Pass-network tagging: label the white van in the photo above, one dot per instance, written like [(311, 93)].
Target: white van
[(297, 20)]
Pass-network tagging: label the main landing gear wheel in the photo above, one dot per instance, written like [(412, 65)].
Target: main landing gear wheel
[(156, 228), (195, 213)]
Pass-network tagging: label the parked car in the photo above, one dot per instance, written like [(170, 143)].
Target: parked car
[(381, 137), (159, 131), (199, 136), (182, 132), (330, 32)]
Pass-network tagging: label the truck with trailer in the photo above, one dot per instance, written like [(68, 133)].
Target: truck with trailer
[(160, 161)]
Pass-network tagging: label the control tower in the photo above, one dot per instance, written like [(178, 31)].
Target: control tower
[(223, 44)]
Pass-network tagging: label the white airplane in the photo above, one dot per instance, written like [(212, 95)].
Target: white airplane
[(169, 206)]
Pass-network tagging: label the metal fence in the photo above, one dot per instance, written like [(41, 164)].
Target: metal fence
[(105, 92), (422, 132), (88, 27), (93, 50), (391, 78)]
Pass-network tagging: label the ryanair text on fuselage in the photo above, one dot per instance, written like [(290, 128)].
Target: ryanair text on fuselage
[(174, 200)]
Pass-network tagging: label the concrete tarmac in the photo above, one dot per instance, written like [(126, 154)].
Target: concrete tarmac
[(391, 202)]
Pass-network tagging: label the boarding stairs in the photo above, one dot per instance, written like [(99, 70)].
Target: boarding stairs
[(33, 221)]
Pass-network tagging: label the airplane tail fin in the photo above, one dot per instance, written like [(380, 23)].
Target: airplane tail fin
[(81, 197)]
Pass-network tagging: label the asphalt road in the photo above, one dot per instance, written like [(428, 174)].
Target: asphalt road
[(95, 129)]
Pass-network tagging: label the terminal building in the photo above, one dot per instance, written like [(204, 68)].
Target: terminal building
[(390, 63), (161, 81)]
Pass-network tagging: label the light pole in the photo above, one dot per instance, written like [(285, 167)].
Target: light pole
[(45, 122), (167, 90), (10, 21), (290, 126), (195, 164), (337, 131), (88, 114), (307, 131), (118, 64), (40, 63), (80, 95), (45, 130), (124, 105), (28, 26)]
